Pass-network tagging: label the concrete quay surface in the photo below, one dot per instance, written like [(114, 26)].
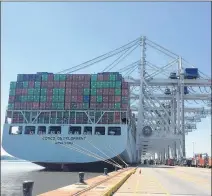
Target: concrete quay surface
[(98, 186), (166, 180)]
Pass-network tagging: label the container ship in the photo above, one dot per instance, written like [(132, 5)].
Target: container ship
[(70, 121)]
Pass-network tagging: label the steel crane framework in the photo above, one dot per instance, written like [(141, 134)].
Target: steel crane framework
[(167, 106)]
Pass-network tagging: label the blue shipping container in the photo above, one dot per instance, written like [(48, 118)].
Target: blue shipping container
[(191, 73), (86, 99)]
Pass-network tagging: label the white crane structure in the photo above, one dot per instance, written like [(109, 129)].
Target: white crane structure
[(166, 103)]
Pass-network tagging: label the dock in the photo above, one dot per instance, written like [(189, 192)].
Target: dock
[(151, 180)]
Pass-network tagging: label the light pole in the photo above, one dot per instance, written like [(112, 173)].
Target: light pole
[(193, 149)]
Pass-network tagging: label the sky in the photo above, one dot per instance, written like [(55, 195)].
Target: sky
[(50, 37)]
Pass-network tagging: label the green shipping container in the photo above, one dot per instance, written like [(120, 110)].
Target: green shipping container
[(55, 98), (37, 92), (99, 99), (124, 100), (94, 77), (86, 91), (61, 98), (93, 91), (43, 91), (24, 98), (25, 84), (36, 98), (60, 106), (117, 105), (10, 106), (54, 105), (62, 77), (61, 92), (118, 84), (30, 98), (12, 92), (85, 106), (30, 91), (43, 98), (112, 77), (93, 84), (44, 77), (55, 91), (37, 84), (117, 91), (12, 85), (56, 77), (20, 77)]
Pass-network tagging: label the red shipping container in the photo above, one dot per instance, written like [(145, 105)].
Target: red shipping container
[(105, 99), (117, 98), (74, 84), (62, 84), (99, 105), (11, 99), (49, 92), (117, 114), (105, 106), (124, 85), (74, 98), (124, 106), (87, 84), (111, 105), (48, 106), (100, 77), (50, 77), (87, 77), (31, 84), (56, 84), (68, 99), (125, 92), (93, 99), (74, 91), (42, 106), (79, 106), (79, 99), (69, 77), (23, 106), (35, 105), (99, 91), (44, 84), (50, 84), (67, 106), (105, 91), (93, 105), (24, 91), (111, 92), (68, 92), (105, 77), (29, 106), (49, 98), (17, 105), (18, 91), (111, 98), (80, 91), (68, 84)]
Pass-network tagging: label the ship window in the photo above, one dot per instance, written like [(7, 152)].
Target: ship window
[(41, 130), (74, 130), (15, 130), (87, 130), (99, 130), (114, 130), (29, 130), (54, 130)]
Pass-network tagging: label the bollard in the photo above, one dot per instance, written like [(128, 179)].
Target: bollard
[(105, 171), (81, 177), (27, 188)]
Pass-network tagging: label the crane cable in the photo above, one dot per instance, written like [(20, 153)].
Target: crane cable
[(100, 58)]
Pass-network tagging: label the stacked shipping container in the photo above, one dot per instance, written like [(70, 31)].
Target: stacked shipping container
[(48, 91)]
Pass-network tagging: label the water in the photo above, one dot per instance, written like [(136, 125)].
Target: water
[(14, 173)]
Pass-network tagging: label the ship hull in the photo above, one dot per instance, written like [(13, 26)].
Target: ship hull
[(72, 152)]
